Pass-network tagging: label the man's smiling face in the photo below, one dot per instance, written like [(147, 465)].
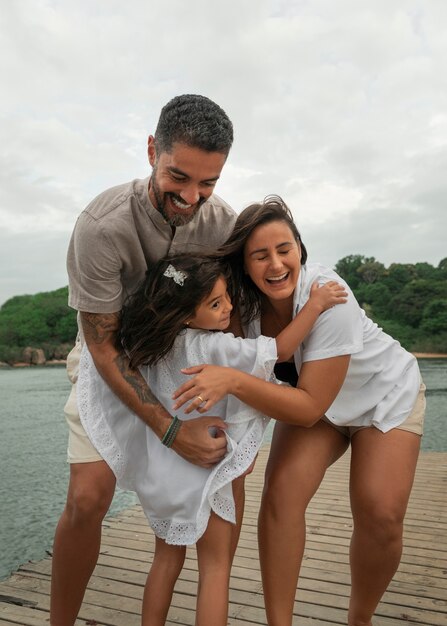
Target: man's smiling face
[(182, 180)]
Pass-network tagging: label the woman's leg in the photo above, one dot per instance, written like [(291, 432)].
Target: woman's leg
[(382, 473), (214, 556), (166, 567), (298, 460)]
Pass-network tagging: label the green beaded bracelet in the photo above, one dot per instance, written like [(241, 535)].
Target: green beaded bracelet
[(171, 433)]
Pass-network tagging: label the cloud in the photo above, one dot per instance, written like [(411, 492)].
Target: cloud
[(339, 107), (32, 262)]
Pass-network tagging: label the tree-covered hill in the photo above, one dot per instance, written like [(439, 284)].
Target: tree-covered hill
[(43, 320), (409, 301)]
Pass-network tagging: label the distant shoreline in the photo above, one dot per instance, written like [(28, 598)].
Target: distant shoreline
[(55, 363), (21, 365), (429, 355)]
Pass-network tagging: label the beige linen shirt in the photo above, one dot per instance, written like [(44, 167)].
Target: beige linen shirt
[(120, 234)]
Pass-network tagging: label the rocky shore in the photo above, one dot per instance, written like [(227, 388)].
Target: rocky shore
[(19, 364), (35, 356)]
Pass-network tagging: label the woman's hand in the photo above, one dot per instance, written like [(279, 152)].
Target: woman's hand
[(327, 295), (210, 384)]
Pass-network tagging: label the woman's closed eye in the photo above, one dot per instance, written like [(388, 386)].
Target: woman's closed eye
[(265, 257)]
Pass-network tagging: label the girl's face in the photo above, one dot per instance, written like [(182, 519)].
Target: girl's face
[(272, 259), (213, 313)]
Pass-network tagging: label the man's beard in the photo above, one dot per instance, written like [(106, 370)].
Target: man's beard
[(178, 219)]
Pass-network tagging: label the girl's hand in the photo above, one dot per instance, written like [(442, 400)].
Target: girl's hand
[(210, 384), (328, 295)]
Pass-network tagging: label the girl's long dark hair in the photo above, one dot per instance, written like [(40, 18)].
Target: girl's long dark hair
[(272, 209), (154, 315)]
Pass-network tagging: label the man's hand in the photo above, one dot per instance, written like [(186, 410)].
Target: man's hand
[(197, 443), (210, 384)]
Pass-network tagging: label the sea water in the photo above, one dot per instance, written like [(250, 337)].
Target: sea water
[(33, 467)]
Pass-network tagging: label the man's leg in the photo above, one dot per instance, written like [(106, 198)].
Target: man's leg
[(78, 538)]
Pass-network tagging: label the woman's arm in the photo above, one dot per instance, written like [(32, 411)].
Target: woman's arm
[(318, 386), (321, 299)]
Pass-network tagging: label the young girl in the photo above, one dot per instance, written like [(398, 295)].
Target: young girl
[(166, 327)]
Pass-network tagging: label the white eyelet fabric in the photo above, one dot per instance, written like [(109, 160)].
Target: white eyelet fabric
[(177, 496)]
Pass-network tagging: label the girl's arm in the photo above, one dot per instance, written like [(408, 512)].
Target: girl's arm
[(318, 386), (321, 299)]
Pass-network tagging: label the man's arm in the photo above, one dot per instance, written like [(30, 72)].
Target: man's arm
[(193, 442)]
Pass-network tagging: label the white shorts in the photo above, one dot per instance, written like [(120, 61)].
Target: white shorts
[(413, 424), (80, 448)]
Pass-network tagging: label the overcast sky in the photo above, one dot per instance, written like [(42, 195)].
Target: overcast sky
[(340, 106)]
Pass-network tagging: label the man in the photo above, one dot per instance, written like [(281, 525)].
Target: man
[(118, 235)]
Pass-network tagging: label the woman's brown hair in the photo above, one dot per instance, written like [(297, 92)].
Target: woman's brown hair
[(272, 209)]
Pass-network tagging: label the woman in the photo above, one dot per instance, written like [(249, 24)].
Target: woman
[(176, 315), (356, 385)]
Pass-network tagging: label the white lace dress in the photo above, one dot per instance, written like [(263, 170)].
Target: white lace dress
[(177, 496)]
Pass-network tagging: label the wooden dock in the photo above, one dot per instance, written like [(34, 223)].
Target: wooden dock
[(417, 595)]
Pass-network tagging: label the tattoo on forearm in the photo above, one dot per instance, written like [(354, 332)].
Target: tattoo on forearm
[(135, 380), (99, 328)]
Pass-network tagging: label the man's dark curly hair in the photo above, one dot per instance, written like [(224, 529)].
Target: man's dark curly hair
[(195, 121)]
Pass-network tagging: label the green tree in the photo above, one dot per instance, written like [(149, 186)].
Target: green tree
[(408, 305), (434, 316), (408, 300), (347, 268), (427, 271), (398, 275), (371, 271), (442, 269), (405, 334), (66, 328), (34, 320), (377, 295)]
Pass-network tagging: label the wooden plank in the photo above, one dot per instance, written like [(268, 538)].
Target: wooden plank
[(23, 616), (417, 595)]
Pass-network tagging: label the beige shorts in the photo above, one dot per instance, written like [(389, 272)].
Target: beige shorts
[(413, 424), (80, 449)]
